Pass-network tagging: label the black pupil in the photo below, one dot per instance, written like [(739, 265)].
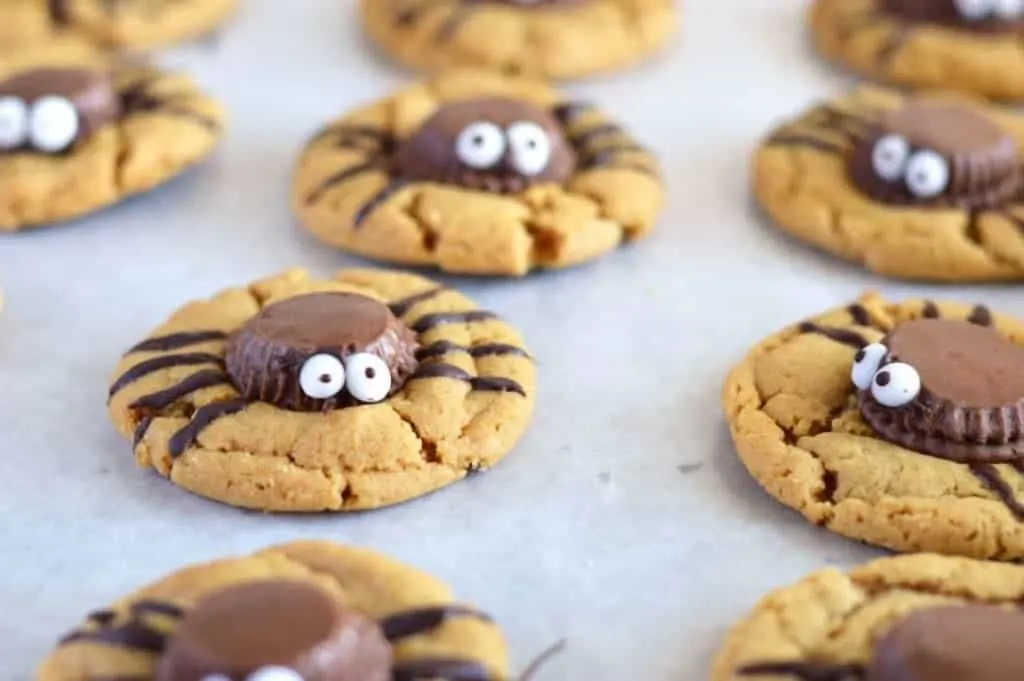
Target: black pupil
[(371, 372), (325, 378), (478, 140), (883, 378)]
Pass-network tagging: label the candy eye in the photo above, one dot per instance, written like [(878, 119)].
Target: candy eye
[(215, 677), (322, 376), (531, 147), (481, 145), (974, 9), (274, 674), (53, 124), (369, 378), (1009, 9), (927, 174), (889, 157), (13, 123), (866, 363), (895, 385)]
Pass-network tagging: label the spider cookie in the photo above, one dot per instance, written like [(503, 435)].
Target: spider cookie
[(967, 45), (899, 424), (302, 394), (910, 618), (477, 173), (111, 23), (74, 139), (306, 611), (547, 38), (926, 187)]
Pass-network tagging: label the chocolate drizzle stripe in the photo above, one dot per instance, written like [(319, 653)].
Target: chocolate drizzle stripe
[(989, 475), (156, 608), (447, 669), (569, 112), (804, 141), (930, 310), (177, 340), (136, 100), (348, 134), (340, 177), (585, 137), (604, 157), (860, 314), (140, 430), (157, 363), (432, 321), (184, 438), (392, 188), (59, 11), (844, 336), (101, 616), (413, 622), (481, 383), (441, 348), (981, 316), (168, 396), (805, 671), (400, 307)]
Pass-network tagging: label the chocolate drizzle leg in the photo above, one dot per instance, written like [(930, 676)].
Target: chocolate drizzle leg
[(991, 478), (134, 633), (150, 366), (414, 622), (806, 671), (137, 98), (184, 438), (844, 336), (176, 341)]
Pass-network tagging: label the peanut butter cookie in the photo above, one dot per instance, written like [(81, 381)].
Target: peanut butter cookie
[(925, 187), (910, 618), (899, 424), (310, 611), (302, 394)]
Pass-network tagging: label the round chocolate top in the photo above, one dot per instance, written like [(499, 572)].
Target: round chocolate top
[(989, 16), (321, 351), (936, 153), (48, 110), (493, 144), (952, 643), (275, 631)]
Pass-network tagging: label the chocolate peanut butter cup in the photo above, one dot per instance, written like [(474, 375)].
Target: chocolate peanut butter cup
[(943, 387), (491, 144), (322, 351), (937, 154), (275, 630), (987, 16)]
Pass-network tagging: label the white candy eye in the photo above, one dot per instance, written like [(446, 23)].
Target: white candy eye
[(274, 674), (53, 124), (1009, 9), (889, 157), (322, 376), (531, 147), (369, 378), (895, 385), (927, 174), (215, 677), (13, 123), (866, 363), (481, 145), (974, 9)]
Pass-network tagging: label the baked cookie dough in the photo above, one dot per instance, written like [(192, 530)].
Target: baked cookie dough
[(967, 45), (545, 38), (79, 136), (477, 173), (302, 394), (306, 610), (925, 187), (898, 424), (110, 23), (910, 618)]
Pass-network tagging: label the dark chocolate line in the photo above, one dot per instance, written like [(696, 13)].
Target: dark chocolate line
[(400, 307), (990, 476), (163, 362), (930, 310), (156, 608), (59, 12), (432, 321), (446, 669), (805, 671), (860, 314), (844, 336), (101, 616), (134, 634), (394, 186), (203, 417), (585, 137), (804, 141), (604, 157), (480, 383), (168, 396), (414, 622), (135, 100), (568, 112), (349, 134), (340, 177), (1018, 222), (443, 347), (175, 341), (140, 431), (981, 316)]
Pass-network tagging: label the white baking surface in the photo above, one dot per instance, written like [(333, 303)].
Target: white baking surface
[(589, 530)]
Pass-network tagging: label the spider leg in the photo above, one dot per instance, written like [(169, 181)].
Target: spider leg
[(990, 476), (374, 202), (807, 671), (449, 669), (412, 10), (344, 175), (823, 120), (357, 137), (591, 143), (422, 620), (135, 633), (136, 98)]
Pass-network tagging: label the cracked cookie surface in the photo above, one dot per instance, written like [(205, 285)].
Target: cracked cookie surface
[(165, 126), (430, 635), (110, 24), (554, 40), (793, 414), (349, 193), (801, 179), (864, 37), (826, 626), (462, 410)]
